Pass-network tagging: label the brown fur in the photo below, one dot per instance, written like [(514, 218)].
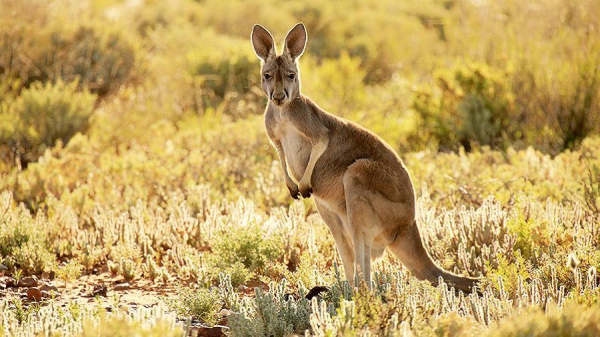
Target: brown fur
[(361, 188)]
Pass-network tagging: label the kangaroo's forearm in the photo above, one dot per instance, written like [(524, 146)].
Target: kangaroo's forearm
[(283, 162), (291, 185), (316, 152)]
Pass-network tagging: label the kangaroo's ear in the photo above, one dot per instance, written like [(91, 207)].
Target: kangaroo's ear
[(263, 43), (295, 41)]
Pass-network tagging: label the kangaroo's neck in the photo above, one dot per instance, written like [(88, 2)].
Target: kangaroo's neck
[(297, 104)]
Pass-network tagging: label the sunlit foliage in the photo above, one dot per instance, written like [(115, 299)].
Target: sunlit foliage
[(131, 137)]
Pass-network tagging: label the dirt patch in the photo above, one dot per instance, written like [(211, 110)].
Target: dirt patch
[(104, 288)]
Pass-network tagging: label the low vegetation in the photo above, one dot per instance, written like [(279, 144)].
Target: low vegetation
[(132, 145)]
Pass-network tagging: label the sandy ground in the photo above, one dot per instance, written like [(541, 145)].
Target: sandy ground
[(102, 289), (134, 293)]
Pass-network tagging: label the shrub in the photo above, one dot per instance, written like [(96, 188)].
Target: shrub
[(339, 82), (224, 64), (559, 101), (242, 252), (366, 33), (22, 243), (453, 324), (125, 260), (470, 104), (508, 275), (70, 271), (41, 116), (34, 258), (224, 73), (272, 313), (203, 304), (529, 234), (44, 43), (76, 319), (573, 320), (239, 273)]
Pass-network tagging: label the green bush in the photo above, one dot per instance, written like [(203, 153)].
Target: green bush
[(339, 82), (225, 73), (245, 250), (22, 243), (242, 255), (34, 257), (42, 115), (44, 43), (572, 320), (272, 313), (237, 72), (202, 303), (470, 104), (558, 96), (364, 32)]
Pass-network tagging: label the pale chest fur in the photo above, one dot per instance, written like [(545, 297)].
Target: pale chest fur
[(296, 147)]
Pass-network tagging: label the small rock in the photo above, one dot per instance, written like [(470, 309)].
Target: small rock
[(48, 287), (11, 283), (34, 294), (28, 282), (3, 267), (100, 290), (121, 286), (224, 312), (2, 286), (45, 294), (215, 331)]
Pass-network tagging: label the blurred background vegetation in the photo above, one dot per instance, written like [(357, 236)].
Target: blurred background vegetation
[(438, 75), (132, 132), (178, 83)]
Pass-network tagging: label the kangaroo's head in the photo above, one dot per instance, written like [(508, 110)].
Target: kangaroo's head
[(280, 74)]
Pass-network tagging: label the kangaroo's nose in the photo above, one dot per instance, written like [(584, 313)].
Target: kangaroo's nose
[(278, 96)]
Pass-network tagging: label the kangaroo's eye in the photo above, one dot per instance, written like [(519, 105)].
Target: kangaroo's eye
[(267, 76), (291, 76)]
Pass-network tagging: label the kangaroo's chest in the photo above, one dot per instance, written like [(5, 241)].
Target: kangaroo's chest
[(296, 149)]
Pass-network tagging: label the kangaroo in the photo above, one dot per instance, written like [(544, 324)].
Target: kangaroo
[(360, 186)]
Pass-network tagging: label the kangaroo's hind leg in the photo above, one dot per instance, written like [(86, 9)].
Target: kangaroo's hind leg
[(342, 240), (372, 210), (364, 226)]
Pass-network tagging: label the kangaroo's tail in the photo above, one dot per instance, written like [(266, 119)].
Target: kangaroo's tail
[(408, 247)]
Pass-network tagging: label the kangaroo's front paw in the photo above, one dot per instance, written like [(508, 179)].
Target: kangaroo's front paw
[(305, 190), (294, 192)]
